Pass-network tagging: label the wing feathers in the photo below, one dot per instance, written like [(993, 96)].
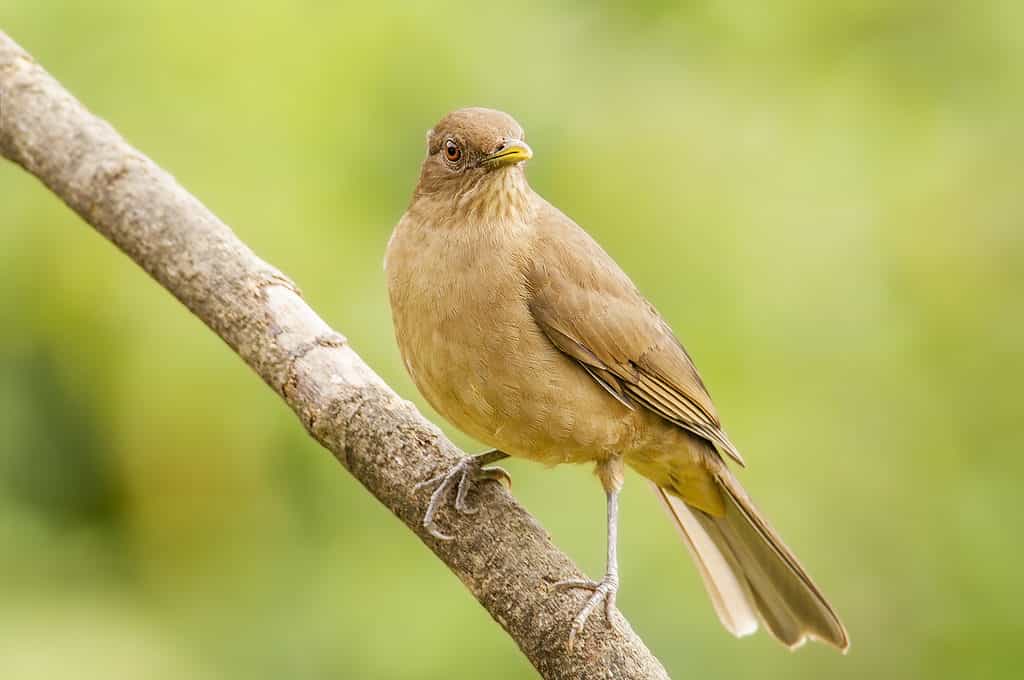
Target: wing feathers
[(590, 310)]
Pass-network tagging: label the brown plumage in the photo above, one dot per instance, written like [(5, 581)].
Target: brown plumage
[(519, 329)]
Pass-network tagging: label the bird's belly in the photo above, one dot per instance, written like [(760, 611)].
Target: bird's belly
[(506, 385)]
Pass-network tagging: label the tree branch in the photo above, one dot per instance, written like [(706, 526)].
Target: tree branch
[(502, 554)]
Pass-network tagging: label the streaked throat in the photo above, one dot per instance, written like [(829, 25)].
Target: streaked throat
[(501, 195)]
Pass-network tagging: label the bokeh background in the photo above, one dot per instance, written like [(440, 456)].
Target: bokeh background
[(824, 199)]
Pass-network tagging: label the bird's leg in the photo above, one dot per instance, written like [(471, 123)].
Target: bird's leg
[(461, 477), (607, 587)]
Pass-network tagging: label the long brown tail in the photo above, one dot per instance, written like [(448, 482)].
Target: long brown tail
[(750, 574)]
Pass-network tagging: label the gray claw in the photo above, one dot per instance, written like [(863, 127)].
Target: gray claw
[(605, 590), (460, 477)]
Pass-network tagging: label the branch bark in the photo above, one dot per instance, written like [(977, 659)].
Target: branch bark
[(502, 555)]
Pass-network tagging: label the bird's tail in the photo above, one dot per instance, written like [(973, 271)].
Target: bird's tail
[(749, 572)]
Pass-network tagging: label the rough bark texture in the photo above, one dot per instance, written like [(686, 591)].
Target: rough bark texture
[(502, 555)]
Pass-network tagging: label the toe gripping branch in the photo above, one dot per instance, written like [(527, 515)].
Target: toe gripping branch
[(461, 477)]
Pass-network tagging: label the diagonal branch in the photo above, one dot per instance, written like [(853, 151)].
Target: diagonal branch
[(503, 556)]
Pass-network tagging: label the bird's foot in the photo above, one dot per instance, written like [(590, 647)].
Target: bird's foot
[(603, 590), (461, 477)]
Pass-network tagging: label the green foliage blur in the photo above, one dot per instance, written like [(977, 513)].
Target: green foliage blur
[(824, 199)]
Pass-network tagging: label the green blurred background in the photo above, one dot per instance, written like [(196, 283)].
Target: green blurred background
[(824, 199)]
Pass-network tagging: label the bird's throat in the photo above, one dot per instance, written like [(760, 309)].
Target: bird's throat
[(499, 196)]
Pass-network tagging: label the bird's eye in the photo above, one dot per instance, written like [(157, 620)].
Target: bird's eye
[(452, 151)]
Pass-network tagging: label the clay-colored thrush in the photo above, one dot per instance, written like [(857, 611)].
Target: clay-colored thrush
[(520, 330)]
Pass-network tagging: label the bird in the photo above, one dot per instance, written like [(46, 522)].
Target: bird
[(521, 331)]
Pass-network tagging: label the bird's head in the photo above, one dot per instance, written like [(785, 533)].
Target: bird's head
[(474, 161)]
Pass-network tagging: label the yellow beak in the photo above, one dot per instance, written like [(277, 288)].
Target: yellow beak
[(513, 151)]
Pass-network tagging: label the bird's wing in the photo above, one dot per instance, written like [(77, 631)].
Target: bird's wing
[(590, 310)]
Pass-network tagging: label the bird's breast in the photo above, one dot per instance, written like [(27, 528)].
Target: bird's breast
[(472, 347)]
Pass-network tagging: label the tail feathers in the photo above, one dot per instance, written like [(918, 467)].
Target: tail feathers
[(750, 574), (721, 575)]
